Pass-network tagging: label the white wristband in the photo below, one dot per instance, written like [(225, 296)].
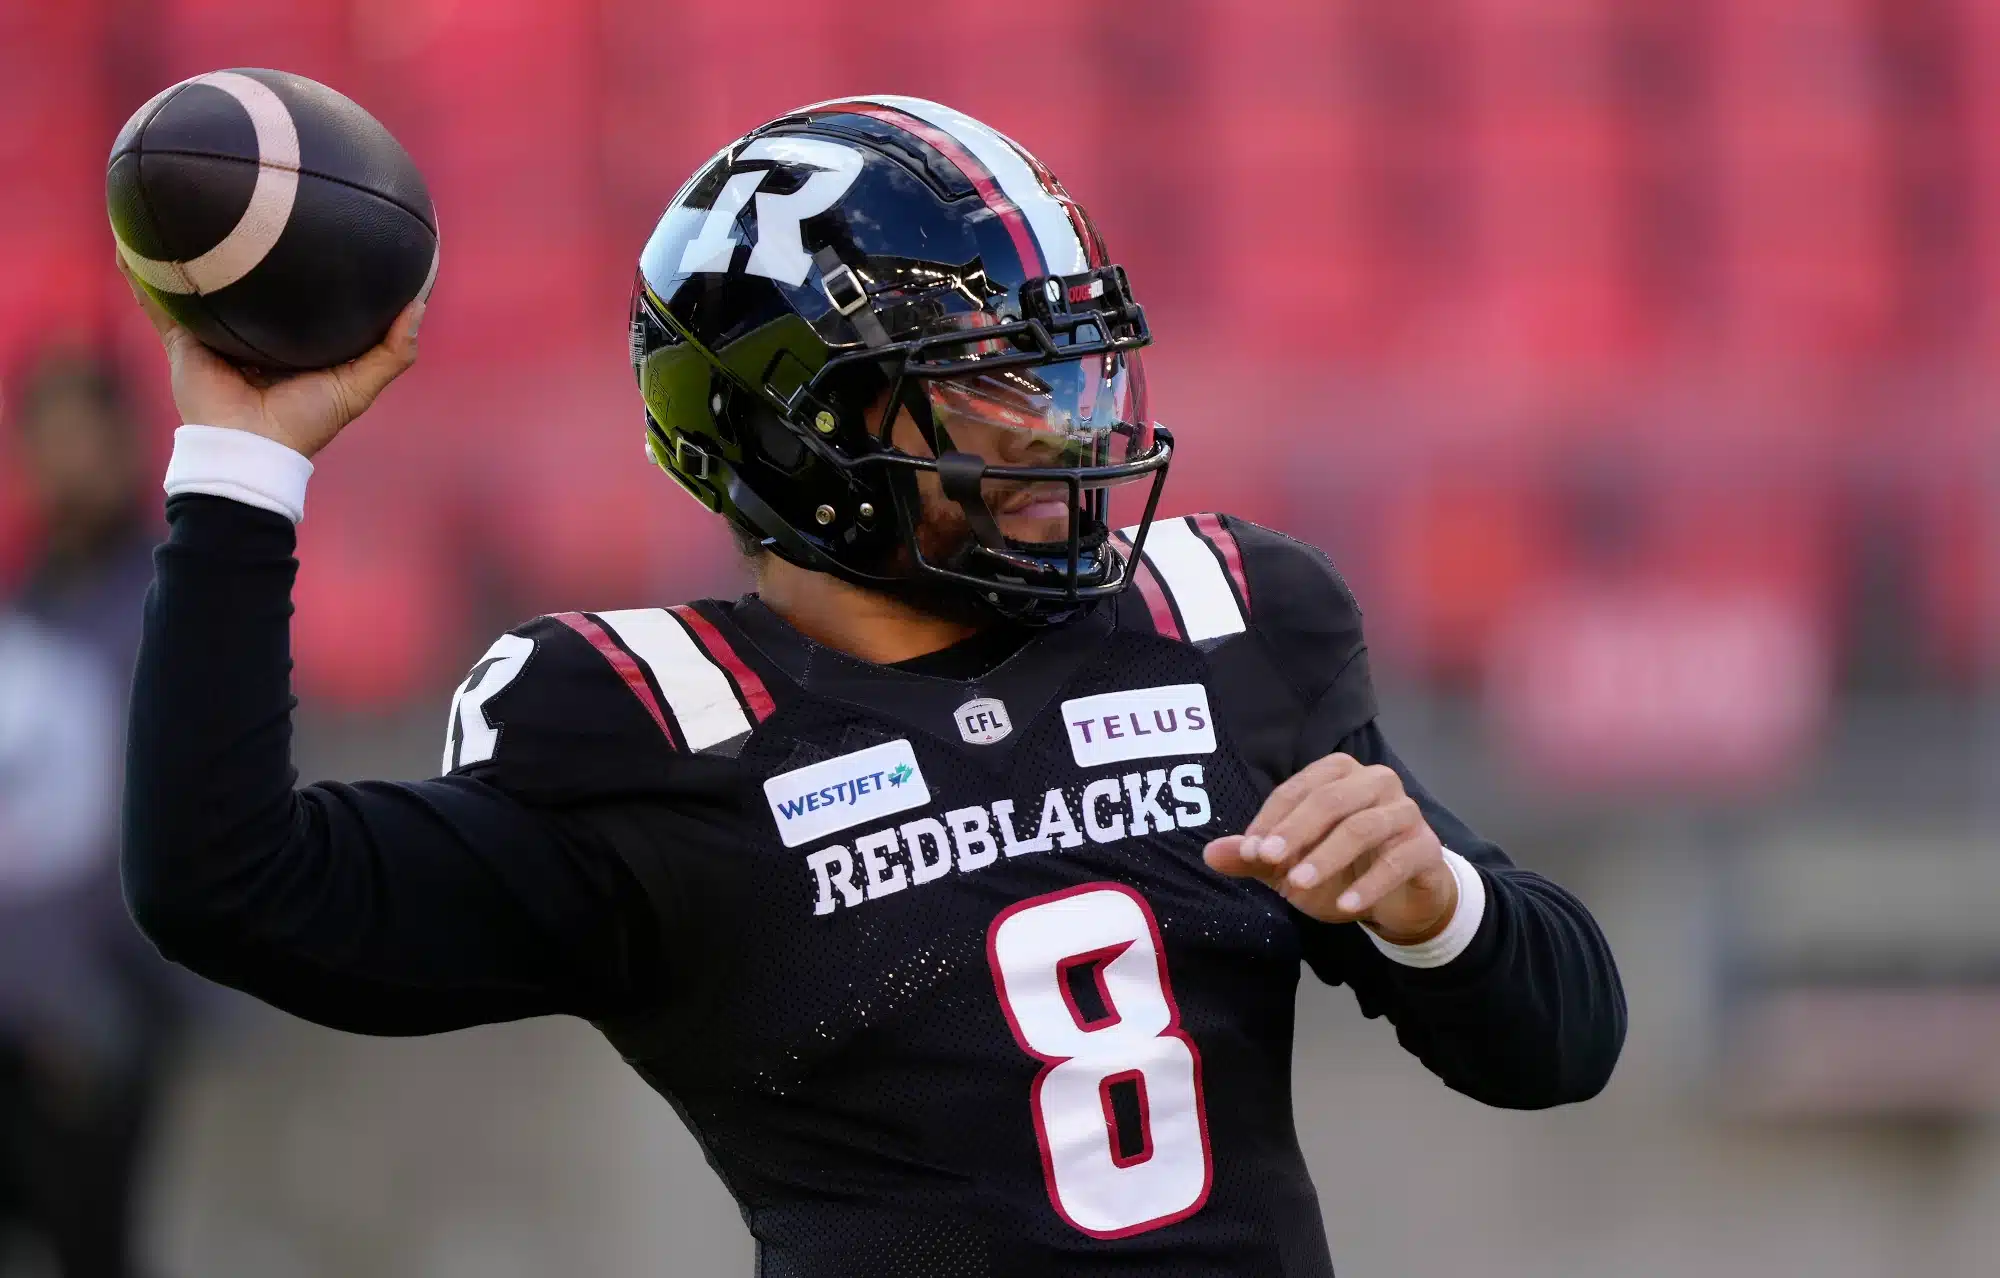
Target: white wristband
[(243, 467), (1450, 943)]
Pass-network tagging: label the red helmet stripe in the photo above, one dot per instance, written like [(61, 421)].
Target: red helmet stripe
[(1032, 261), (1086, 234), (1050, 222)]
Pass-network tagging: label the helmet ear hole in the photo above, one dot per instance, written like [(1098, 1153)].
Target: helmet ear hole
[(783, 449), (724, 421)]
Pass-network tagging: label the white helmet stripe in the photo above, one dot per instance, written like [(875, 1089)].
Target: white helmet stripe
[(271, 199), (1054, 233)]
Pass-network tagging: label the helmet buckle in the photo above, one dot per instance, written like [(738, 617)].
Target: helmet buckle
[(691, 458), (843, 289)]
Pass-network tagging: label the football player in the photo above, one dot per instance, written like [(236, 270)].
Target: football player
[(955, 885)]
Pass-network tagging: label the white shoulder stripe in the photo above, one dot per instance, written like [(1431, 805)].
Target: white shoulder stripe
[(1049, 220), (699, 693), (1189, 571)]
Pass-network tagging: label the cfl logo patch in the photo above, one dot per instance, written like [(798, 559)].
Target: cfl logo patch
[(983, 721)]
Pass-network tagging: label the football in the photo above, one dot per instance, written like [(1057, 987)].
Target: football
[(273, 217)]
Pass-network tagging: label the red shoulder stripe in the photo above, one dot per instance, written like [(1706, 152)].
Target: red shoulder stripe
[(626, 666), (756, 697), (1153, 593), (1225, 545)]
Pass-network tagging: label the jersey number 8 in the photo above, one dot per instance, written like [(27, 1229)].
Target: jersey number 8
[(1117, 1105)]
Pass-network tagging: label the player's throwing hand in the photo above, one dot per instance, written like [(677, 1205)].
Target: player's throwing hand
[(1342, 843), (302, 411)]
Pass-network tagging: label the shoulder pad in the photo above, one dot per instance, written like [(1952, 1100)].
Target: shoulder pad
[(580, 703), (1207, 579), (1191, 579)]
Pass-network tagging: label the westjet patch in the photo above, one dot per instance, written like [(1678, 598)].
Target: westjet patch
[(816, 800), (1141, 723)]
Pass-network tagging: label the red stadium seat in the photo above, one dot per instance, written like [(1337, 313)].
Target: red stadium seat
[(53, 246), (192, 36), (1809, 241), (1550, 163), (376, 609), (1959, 541), (499, 99), (1459, 553), (1760, 525), (1980, 80), (1288, 263), (568, 506)]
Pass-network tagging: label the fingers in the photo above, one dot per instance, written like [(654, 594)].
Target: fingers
[(1295, 788), (1281, 802), (367, 376), (1396, 865), (1225, 856), (1316, 816), (1356, 836), (1337, 814), (196, 371), (1342, 842)]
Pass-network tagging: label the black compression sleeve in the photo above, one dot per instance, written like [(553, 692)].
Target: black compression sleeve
[(388, 908), (1532, 1014)]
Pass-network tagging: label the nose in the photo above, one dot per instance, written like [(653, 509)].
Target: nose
[(1028, 447)]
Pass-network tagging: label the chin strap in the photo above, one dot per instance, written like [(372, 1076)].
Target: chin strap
[(960, 474)]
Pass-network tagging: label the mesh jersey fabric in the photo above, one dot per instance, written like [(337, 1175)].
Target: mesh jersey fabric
[(851, 1071)]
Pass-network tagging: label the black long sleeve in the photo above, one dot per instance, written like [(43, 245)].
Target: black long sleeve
[(1532, 1014), (388, 908)]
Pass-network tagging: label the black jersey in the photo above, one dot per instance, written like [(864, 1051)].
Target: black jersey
[(929, 962)]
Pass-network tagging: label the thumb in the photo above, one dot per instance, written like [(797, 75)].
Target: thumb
[(163, 323), (181, 345)]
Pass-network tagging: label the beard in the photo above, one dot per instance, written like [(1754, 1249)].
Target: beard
[(945, 536)]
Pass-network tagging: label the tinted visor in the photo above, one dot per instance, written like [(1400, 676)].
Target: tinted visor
[(1074, 415)]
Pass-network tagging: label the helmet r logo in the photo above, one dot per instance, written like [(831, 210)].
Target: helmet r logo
[(983, 721), (779, 253)]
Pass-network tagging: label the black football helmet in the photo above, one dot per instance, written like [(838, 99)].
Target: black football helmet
[(862, 258)]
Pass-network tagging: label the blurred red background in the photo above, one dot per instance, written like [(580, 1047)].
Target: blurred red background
[(1538, 314)]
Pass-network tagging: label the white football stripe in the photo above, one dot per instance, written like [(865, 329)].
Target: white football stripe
[(271, 199), (1188, 569), (1049, 220), (431, 276), (703, 700)]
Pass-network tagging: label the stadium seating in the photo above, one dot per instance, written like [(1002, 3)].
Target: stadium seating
[(378, 608), (1405, 263), (58, 111), (1548, 159), (1806, 200)]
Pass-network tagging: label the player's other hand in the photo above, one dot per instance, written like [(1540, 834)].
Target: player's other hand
[(302, 411), (1344, 843)]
